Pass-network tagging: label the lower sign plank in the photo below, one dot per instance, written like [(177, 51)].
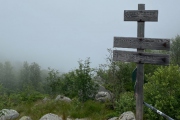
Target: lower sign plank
[(126, 56)]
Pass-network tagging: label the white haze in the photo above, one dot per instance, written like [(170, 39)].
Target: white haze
[(58, 33)]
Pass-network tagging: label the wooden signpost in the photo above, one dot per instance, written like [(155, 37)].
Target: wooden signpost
[(141, 15)]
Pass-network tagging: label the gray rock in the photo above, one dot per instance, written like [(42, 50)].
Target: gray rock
[(102, 89), (9, 114), (63, 98), (127, 116), (25, 118), (50, 116), (103, 96)]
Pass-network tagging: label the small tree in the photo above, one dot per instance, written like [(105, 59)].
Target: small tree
[(69, 84), (35, 76), (7, 76), (86, 87), (30, 75), (77, 83), (24, 75), (53, 81)]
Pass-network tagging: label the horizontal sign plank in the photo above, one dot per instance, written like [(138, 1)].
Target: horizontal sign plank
[(126, 56), (142, 43), (140, 15)]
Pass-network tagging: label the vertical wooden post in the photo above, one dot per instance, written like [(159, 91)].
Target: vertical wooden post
[(140, 71)]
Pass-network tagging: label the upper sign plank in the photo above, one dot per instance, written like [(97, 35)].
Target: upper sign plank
[(140, 15), (142, 43)]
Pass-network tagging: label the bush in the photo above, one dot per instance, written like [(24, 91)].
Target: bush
[(77, 83), (7, 101), (163, 91), (30, 95), (126, 102)]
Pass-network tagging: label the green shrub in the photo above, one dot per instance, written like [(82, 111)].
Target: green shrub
[(125, 103), (163, 92), (7, 101), (30, 95)]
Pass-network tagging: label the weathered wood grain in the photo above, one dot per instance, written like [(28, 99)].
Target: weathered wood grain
[(140, 71), (140, 15), (142, 43), (139, 92), (140, 57)]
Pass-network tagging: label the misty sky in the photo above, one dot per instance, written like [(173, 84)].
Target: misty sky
[(58, 33)]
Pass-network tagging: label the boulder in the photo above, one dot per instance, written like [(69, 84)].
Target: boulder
[(63, 98), (127, 116), (9, 114), (103, 96), (25, 118), (102, 89), (50, 116)]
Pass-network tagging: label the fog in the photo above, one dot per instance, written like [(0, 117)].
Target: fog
[(58, 33)]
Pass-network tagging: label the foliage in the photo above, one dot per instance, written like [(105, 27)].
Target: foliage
[(125, 75), (77, 83), (25, 75), (64, 84), (30, 75), (116, 76), (91, 109), (54, 81), (126, 102), (1, 87), (175, 50), (163, 91), (7, 76), (15, 99), (149, 69), (30, 95), (86, 109), (68, 87), (46, 89), (35, 76), (84, 84), (75, 109)]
